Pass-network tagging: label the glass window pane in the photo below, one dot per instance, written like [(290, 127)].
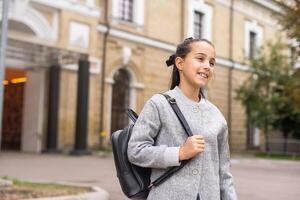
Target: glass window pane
[(198, 24), (252, 45), (126, 10)]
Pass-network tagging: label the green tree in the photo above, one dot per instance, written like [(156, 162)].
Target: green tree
[(287, 106), (262, 91), (289, 19)]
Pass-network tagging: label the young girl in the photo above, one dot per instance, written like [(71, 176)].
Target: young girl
[(159, 141)]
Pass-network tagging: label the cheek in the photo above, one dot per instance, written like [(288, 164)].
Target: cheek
[(190, 67), (194, 65), (211, 73)]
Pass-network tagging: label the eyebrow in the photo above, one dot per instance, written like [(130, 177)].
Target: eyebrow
[(206, 55)]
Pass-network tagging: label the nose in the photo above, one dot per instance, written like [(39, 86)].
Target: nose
[(206, 65)]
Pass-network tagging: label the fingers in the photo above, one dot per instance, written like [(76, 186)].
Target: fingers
[(198, 139), (198, 143), (200, 148), (193, 145)]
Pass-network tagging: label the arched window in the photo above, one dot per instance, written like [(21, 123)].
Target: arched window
[(120, 99)]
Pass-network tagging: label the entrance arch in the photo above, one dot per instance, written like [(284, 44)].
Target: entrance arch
[(120, 99)]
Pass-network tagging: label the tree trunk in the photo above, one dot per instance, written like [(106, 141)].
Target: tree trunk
[(285, 135), (267, 137)]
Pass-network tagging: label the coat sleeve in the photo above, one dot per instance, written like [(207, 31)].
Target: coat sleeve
[(141, 149), (226, 179)]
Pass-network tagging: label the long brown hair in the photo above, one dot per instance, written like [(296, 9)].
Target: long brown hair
[(182, 50)]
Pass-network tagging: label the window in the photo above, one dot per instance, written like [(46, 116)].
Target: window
[(199, 19), (293, 54), (198, 16), (126, 10), (252, 45), (253, 39)]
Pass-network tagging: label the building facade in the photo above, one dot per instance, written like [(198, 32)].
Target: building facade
[(125, 43)]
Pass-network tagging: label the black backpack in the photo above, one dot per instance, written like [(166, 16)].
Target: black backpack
[(134, 180)]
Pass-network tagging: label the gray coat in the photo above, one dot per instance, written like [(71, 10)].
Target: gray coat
[(157, 136)]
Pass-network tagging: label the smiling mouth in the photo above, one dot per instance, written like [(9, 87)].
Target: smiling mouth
[(204, 75)]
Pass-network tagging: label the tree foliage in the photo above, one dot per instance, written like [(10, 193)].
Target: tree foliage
[(287, 106), (271, 93), (290, 19)]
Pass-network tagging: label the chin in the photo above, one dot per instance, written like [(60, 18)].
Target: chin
[(201, 83)]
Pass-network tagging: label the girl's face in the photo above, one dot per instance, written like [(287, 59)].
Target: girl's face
[(197, 67)]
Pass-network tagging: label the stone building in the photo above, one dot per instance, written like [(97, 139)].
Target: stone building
[(124, 45)]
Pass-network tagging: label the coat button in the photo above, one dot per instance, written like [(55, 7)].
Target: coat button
[(195, 171), (195, 109)]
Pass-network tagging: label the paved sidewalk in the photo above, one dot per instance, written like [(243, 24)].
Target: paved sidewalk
[(255, 179)]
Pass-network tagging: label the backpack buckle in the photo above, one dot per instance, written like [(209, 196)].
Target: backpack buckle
[(172, 101)]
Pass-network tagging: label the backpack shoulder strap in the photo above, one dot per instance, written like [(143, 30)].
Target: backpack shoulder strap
[(179, 114), (188, 131), (132, 115)]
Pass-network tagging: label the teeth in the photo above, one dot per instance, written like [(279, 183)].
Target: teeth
[(203, 74)]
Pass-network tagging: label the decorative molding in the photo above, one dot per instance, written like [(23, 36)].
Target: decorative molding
[(248, 12), (79, 34), (224, 62), (102, 28), (270, 4), (126, 54), (95, 65), (137, 38), (86, 9), (55, 27), (109, 80), (224, 2), (255, 15), (207, 11), (227, 63), (22, 12), (164, 46), (137, 85)]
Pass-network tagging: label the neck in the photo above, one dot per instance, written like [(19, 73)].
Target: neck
[(190, 92)]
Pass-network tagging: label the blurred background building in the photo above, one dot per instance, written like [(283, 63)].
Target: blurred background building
[(73, 67)]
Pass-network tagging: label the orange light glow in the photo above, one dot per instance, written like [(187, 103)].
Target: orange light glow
[(5, 82), (19, 80)]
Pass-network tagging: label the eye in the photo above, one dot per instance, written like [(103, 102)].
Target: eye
[(200, 59), (212, 64)]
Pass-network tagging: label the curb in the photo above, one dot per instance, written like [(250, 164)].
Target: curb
[(5, 183), (99, 194)]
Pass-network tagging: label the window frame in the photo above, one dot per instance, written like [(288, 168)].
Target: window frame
[(126, 10), (138, 7), (207, 11), (198, 24), (252, 26)]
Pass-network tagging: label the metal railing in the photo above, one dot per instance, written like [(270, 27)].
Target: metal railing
[(278, 146)]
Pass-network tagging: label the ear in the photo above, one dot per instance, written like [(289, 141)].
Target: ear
[(179, 63)]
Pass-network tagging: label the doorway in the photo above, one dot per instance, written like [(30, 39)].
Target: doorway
[(13, 97), (120, 99)]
